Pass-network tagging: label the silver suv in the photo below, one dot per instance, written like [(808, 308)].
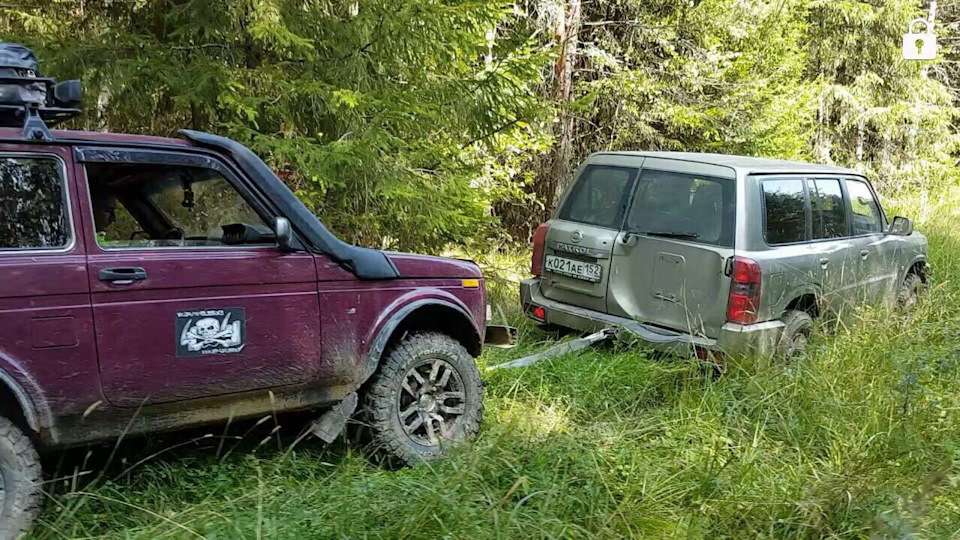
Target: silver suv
[(707, 252)]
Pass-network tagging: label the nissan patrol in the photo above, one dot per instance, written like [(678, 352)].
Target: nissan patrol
[(707, 252)]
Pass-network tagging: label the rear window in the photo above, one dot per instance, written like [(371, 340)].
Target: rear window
[(784, 211), (599, 196), (33, 204), (684, 206)]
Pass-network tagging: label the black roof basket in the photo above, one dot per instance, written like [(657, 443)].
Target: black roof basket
[(30, 100)]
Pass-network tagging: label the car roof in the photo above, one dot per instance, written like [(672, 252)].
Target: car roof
[(15, 135), (746, 164)]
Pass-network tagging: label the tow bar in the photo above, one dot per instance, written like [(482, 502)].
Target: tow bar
[(557, 350)]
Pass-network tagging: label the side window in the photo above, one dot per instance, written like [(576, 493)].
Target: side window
[(156, 206), (785, 211), (33, 204), (867, 218), (829, 212), (599, 196)]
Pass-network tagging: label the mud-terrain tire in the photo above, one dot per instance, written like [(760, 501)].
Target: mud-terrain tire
[(909, 293), (21, 496), (798, 325), (432, 381)]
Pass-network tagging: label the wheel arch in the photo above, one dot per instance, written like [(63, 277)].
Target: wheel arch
[(13, 395), (917, 266), (806, 300), (436, 314)]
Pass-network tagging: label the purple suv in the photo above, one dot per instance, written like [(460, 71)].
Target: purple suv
[(152, 284)]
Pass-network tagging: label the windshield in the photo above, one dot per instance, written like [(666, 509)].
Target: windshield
[(684, 206), (599, 196)]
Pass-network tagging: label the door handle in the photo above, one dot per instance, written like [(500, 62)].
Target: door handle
[(824, 262), (123, 276), (864, 254)]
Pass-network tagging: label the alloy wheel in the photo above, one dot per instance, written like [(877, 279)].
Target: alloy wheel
[(432, 402)]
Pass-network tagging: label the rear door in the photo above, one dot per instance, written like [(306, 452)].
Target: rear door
[(46, 325), (580, 240), (834, 250), (667, 264)]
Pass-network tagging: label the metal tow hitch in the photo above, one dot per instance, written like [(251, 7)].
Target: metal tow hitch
[(557, 350)]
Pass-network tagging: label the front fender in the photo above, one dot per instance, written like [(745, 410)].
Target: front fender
[(917, 258), (399, 310)]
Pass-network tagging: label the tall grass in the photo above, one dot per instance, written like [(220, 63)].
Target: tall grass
[(859, 440)]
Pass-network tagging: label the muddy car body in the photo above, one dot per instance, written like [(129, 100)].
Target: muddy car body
[(152, 284), (90, 328), (717, 253)]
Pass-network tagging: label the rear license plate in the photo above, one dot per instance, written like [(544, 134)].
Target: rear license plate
[(573, 268)]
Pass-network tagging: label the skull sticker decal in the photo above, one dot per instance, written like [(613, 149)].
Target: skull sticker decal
[(211, 331)]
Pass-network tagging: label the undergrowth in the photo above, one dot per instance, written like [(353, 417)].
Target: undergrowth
[(859, 440)]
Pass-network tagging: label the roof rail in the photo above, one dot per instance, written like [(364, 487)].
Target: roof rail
[(35, 120)]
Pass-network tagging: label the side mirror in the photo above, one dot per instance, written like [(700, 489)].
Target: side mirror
[(68, 94), (900, 226), (284, 234)]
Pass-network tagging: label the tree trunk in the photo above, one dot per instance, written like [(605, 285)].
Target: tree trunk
[(556, 174)]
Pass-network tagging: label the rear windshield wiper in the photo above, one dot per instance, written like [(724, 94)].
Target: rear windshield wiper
[(672, 234)]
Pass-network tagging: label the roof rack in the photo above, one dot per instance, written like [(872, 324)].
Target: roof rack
[(30, 100)]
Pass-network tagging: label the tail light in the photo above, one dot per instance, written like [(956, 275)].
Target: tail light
[(539, 238), (745, 288)]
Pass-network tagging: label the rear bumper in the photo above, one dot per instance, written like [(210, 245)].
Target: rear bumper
[(734, 339)]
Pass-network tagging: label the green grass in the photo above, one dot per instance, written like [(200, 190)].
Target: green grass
[(860, 440)]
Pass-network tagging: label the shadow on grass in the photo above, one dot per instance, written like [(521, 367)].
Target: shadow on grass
[(511, 482), (193, 463)]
